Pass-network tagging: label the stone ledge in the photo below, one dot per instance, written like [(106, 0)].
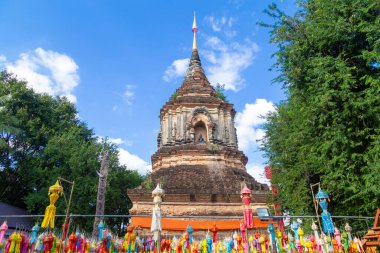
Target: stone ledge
[(212, 155), (199, 204), (144, 196), (194, 209)]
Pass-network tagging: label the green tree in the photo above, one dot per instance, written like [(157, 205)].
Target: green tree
[(328, 128), (8, 123), (41, 139), (219, 91)]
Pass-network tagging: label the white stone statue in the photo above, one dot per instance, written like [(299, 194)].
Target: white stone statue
[(156, 226), (174, 131), (156, 220)]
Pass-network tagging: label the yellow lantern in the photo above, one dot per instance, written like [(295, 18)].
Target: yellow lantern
[(49, 217)]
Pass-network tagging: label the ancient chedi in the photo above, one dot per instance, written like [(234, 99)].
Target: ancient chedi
[(198, 162)]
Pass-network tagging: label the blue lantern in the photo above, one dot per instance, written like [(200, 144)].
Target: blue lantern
[(327, 223), (100, 227), (190, 231)]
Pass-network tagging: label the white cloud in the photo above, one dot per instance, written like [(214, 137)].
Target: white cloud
[(217, 24), (228, 60), (115, 108), (230, 34), (129, 94), (133, 161), (176, 69), (47, 71), (3, 58), (249, 123), (116, 141), (128, 143), (257, 172)]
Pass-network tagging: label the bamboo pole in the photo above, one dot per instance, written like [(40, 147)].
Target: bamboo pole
[(315, 204), (66, 230)]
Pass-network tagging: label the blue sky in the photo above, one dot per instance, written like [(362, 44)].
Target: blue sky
[(120, 61)]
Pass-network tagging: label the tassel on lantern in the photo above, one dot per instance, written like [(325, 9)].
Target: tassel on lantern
[(230, 245), (8, 245), (100, 227), (3, 228), (301, 234), (54, 244), (243, 230), (18, 241), (309, 246), (345, 241), (279, 240), (12, 243), (48, 243), (250, 242), (33, 239), (59, 246), (262, 243), (24, 243), (272, 236)]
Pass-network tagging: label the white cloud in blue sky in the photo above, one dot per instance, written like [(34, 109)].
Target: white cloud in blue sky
[(257, 171), (249, 127), (227, 60), (249, 123), (176, 70), (47, 71), (133, 161), (217, 24), (129, 94), (119, 141)]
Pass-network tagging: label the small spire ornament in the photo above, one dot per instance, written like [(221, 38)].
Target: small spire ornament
[(195, 30)]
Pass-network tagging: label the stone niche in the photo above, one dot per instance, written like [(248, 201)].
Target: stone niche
[(184, 123)]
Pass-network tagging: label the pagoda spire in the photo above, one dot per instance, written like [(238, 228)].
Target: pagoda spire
[(195, 60), (195, 30)]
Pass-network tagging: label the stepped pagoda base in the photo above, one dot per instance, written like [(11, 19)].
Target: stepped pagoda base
[(202, 226), (200, 215)]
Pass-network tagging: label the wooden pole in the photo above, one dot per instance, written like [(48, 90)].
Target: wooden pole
[(68, 207), (66, 230), (315, 204)]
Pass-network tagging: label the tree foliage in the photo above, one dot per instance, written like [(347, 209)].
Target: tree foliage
[(328, 129), (43, 139), (220, 92)]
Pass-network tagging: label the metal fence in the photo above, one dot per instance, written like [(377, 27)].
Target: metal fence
[(118, 223)]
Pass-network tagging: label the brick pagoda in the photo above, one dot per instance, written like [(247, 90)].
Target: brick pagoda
[(197, 162)]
